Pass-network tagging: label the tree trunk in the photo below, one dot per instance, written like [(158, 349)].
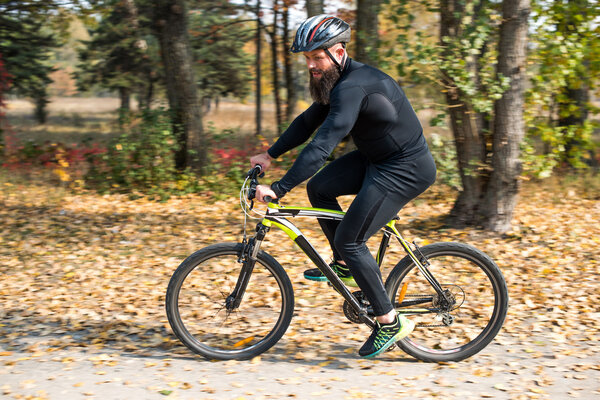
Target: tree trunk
[(149, 95), (125, 97), (40, 100), (258, 74), (367, 34), (470, 150), (290, 85), (275, 69), (181, 83), (314, 7), (466, 128), (509, 127)]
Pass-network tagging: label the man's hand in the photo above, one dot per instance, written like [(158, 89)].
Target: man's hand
[(262, 191), (263, 159)]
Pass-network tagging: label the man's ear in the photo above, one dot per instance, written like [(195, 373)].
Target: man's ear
[(339, 52)]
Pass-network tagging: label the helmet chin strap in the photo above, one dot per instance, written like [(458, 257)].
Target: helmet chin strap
[(339, 66)]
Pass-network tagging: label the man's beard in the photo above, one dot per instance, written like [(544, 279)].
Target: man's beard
[(320, 88)]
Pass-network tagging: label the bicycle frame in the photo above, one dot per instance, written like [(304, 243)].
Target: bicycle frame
[(276, 216)]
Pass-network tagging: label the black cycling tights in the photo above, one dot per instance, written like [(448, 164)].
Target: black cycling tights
[(373, 207)]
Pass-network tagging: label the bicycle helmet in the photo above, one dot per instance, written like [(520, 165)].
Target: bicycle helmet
[(320, 32)]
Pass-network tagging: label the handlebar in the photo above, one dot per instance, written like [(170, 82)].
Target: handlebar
[(255, 172), (253, 175)]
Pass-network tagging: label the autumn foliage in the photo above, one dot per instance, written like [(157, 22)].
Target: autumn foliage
[(90, 271)]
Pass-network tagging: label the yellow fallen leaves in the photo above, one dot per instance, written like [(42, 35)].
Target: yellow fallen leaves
[(83, 270)]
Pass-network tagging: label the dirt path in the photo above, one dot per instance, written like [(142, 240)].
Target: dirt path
[(505, 370)]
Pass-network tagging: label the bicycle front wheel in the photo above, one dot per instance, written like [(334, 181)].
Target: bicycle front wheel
[(197, 297), (455, 330)]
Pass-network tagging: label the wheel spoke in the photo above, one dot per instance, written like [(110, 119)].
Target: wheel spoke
[(465, 319), (197, 304)]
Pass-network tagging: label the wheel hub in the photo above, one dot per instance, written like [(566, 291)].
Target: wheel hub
[(448, 302)]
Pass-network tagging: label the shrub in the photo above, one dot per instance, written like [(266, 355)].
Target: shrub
[(142, 159), (444, 153)]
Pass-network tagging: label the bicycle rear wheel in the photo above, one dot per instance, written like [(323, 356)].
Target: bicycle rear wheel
[(450, 332), (196, 304)]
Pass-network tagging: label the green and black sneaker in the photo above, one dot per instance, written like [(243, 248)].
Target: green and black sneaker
[(342, 271), (384, 336)]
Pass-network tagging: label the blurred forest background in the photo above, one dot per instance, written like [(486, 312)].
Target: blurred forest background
[(171, 97)]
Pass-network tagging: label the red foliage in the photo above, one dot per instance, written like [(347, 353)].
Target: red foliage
[(228, 153), (49, 155)]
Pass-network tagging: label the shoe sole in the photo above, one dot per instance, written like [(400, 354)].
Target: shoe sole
[(348, 282), (316, 279), (407, 327)]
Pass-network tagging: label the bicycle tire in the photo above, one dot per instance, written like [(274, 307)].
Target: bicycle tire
[(195, 304), (474, 279)]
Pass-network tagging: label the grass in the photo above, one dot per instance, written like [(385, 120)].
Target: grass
[(77, 120), (80, 120), (70, 121)]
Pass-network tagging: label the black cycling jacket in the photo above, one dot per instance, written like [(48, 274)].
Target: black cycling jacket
[(366, 103)]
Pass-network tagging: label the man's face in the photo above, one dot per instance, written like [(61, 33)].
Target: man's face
[(324, 74), (317, 62)]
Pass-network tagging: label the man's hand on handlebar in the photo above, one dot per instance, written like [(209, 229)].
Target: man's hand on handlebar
[(263, 191), (263, 159)]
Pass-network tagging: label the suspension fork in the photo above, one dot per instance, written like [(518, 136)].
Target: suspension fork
[(247, 258)]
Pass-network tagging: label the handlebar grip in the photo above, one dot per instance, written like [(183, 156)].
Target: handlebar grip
[(270, 199)]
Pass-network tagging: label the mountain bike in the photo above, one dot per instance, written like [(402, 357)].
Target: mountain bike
[(235, 301)]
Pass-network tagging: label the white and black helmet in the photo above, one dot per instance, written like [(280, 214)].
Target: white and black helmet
[(320, 32)]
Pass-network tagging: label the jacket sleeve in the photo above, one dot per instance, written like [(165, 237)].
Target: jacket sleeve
[(299, 130), (343, 112)]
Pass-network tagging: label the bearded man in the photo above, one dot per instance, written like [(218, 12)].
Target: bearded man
[(391, 166)]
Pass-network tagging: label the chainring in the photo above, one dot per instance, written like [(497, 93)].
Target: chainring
[(349, 312)]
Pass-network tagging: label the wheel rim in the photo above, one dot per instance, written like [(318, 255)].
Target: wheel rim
[(202, 315), (471, 318)]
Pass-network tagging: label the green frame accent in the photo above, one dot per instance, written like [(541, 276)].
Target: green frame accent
[(269, 222)]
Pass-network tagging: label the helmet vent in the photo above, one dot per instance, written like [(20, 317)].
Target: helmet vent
[(317, 28)]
